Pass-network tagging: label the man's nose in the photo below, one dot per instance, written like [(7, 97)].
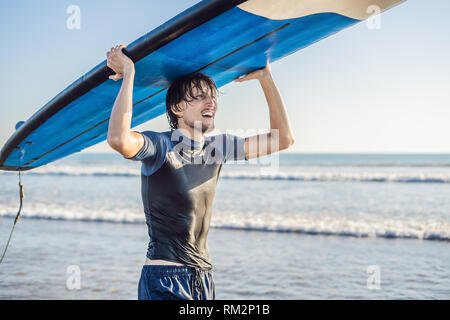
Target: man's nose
[(210, 101)]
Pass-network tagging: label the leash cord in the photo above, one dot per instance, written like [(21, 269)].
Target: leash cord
[(21, 195)]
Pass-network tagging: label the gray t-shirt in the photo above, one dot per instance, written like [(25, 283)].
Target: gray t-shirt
[(178, 183)]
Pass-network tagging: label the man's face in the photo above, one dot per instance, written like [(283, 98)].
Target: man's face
[(200, 111)]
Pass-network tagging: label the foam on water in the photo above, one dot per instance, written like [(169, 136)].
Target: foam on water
[(355, 174), (320, 224)]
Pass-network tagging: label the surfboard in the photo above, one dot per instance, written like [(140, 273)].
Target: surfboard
[(222, 38)]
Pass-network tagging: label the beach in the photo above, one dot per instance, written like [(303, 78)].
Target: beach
[(318, 227), (247, 265)]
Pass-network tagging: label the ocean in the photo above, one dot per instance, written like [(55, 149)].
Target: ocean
[(290, 226)]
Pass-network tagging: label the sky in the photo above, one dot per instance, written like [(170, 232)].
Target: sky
[(361, 90)]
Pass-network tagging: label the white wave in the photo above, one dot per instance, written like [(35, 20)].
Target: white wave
[(361, 227), (362, 176), (79, 213), (404, 175), (107, 170), (338, 226)]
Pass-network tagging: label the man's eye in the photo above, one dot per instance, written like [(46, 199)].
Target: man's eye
[(204, 96)]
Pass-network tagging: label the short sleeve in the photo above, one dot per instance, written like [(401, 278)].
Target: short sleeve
[(233, 147), (152, 153), (151, 146)]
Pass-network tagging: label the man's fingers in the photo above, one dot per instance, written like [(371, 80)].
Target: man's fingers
[(115, 77), (116, 48), (119, 47), (242, 78)]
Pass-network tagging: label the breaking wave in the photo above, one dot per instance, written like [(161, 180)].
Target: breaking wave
[(356, 175), (361, 227)]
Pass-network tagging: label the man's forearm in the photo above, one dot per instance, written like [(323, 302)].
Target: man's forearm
[(279, 119), (122, 112)]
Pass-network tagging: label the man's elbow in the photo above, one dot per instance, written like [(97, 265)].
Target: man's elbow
[(115, 143), (286, 143)]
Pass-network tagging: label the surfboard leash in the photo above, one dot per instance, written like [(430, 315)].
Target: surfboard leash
[(21, 196)]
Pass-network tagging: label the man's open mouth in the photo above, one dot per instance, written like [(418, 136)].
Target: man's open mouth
[(208, 115)]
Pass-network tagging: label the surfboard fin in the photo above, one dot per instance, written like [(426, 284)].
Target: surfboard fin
[(19, 124)]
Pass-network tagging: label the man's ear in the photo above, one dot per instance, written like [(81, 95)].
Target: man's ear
[(178, 110)]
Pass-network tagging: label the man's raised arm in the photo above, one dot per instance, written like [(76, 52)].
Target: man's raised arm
[(120, 137), (280, 136)]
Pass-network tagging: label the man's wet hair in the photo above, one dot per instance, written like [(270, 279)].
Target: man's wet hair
[(182, 89)]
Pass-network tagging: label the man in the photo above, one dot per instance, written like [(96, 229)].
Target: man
[(180, 169)]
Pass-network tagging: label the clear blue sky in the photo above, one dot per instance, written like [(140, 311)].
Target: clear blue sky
[(361, 90)]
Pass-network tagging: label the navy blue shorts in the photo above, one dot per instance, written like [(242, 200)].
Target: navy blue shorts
[(175, 283)]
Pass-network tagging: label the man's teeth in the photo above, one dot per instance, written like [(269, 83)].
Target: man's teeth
[(208, 114)]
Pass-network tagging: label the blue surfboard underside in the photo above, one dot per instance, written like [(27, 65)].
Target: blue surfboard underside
[(229, 45)]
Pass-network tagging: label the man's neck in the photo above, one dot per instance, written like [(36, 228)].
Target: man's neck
[(191, 133)]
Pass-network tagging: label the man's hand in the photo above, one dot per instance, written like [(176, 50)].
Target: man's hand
[(257, 74), (119, 62)]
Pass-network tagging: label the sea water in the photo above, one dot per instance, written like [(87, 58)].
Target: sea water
[(294, 226)]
